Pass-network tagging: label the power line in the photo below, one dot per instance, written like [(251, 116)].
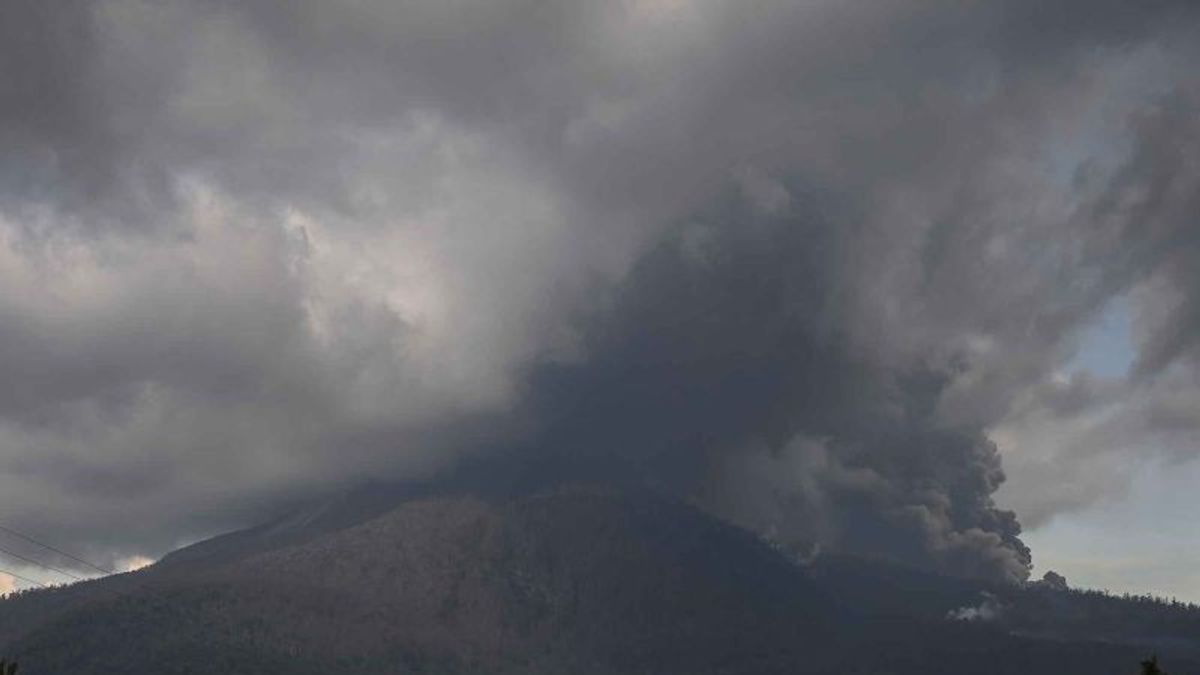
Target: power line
[(111, 591), (48, 547), (100, 587), (18, 576), (52, 568)]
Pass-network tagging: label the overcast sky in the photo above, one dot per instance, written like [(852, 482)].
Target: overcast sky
[(889, 276)]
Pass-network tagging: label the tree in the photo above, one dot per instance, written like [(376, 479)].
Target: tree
[(7, 668), (1150, 667)]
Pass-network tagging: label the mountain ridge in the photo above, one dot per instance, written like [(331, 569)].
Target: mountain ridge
[(576, 579)]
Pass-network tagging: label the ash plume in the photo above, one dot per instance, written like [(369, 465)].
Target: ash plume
[(724, 368), (818, 267)]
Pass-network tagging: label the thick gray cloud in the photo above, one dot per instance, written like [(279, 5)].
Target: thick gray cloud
[(806, 263)]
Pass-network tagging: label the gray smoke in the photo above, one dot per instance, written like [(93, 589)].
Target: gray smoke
[(989, 609), (815, 266), (723, 367)]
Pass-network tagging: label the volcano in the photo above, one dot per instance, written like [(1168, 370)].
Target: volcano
[(574, 579)]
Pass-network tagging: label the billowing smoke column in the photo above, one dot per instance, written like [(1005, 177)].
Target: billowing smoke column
[(723, 369)]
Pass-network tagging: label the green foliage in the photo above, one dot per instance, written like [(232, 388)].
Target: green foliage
[(7, 668)]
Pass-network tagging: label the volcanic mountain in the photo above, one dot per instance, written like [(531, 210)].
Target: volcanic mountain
[(567, 580)]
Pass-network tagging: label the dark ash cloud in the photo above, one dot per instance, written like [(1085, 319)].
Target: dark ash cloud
[(816, 266), (722, 371)]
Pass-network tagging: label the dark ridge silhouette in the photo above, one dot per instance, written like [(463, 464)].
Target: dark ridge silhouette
[(568, 580)]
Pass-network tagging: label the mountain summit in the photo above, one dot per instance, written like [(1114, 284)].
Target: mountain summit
[(571, 580)]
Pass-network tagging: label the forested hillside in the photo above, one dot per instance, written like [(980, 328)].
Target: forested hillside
[(577, 580)]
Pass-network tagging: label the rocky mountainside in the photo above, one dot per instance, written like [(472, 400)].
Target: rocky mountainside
[(577, 580)]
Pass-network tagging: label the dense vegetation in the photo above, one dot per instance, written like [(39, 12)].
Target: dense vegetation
[(579, 581), (1035, 610)]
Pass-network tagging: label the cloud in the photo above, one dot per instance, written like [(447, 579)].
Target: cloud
[(134, 563), (728, 373), (807, 264)]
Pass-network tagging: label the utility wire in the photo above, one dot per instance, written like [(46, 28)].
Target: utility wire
[(48, 547), (39, 563), (18, 576), (104, 589), (113, 592)]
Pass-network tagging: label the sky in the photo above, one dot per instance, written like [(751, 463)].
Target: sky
[(917, 279), (1158, 551)]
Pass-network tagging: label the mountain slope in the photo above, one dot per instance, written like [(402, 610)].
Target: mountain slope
[(570, 581), (575, 580)]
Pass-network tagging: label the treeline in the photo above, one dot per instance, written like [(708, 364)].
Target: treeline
[(1101, 614), (1145, 598)]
